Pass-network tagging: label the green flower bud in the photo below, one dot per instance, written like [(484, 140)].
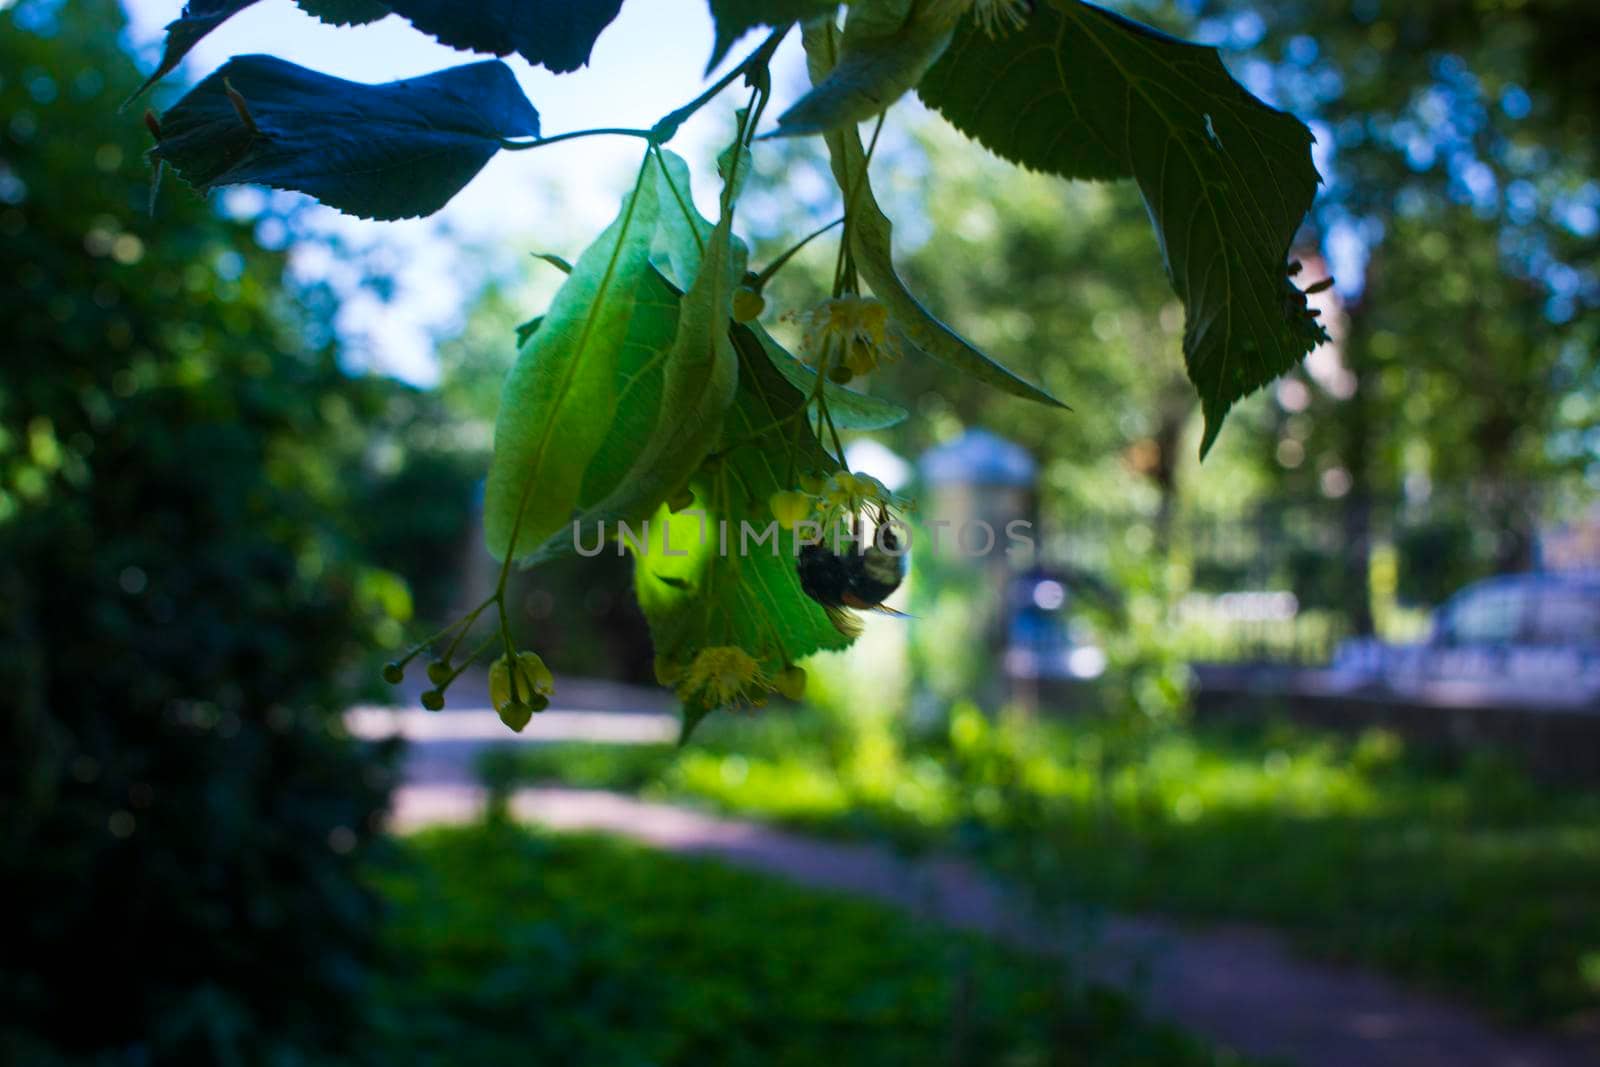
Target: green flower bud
[(534, 686), (433, 700), (791, 682), (789, 508), (393, 673), (516, 715), (747, 304), (439, 672)]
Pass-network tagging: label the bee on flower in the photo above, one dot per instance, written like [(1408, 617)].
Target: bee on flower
[(844, 496)]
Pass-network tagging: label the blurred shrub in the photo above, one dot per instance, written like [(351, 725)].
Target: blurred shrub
[(1437, 557), (182, 820)]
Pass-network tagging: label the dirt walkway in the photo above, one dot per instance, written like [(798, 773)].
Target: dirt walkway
[(1239, 987)]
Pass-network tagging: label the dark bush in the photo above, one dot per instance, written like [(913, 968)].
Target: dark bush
[(183, 823)]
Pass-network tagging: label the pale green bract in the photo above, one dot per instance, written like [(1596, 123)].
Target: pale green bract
[(886, 48), (871, 241), (558, 401)]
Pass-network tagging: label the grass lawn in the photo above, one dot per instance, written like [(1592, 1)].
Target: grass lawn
[(509, 947), (1471, 879)]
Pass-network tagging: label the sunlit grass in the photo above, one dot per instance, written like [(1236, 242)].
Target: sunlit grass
[(1467, 877)]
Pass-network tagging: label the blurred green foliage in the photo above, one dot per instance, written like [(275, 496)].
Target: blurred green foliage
[(518, 948), (178, 603), (1469, 878)]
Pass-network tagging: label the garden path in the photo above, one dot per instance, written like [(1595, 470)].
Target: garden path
[(1238, 986)]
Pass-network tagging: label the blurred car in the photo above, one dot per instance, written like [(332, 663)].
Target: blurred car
[(1043, 640), (1514, 639)]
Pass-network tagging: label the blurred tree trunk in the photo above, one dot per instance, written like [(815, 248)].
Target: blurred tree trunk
[(1174, 408), (1358, 423)]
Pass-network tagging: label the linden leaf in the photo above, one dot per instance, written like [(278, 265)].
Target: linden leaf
[(699, 376), (389, 151), (698, 591), (345, 12), (1085, 93), (734, 18), (886, 48), (558, 34), (849, 409), (871, 237), (559, 400), (198, 18)]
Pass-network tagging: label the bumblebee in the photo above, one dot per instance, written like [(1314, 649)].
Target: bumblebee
[(844, 583)]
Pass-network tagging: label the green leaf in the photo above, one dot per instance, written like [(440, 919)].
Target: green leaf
[(528, 329), (558, 34), (345, 12), (640, 375), (671, 386), (750, 595), (682, 236), (886, 48), (734, 18), (700, 375), (1085, 93), (849, 409), (389, 151), (198, 18), (871, 242), (560, 399)]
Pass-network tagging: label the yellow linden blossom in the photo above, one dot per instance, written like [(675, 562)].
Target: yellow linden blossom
[(857, 325), (997, 17), (724, 676)]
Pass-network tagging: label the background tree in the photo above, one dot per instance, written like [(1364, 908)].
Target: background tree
[(177, 602), (1460, 152)]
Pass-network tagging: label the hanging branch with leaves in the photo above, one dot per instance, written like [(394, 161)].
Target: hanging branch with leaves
[(648, 403)]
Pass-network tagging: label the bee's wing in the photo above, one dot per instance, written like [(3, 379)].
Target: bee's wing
[(844, 620), (856, 602)]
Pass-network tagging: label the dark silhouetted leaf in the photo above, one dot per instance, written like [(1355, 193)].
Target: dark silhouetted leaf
[(199, 18), (346, 12), (558, 34), (379, 151), (734, 18), (1085, 93)]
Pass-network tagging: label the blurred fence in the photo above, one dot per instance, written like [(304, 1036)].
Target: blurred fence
[(1288, 581)]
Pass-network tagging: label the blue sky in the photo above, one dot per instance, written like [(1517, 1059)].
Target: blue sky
[(647, 62)]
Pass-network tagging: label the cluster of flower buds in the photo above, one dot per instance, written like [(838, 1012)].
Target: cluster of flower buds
[(516, 693), (520, 687), (837, 497)]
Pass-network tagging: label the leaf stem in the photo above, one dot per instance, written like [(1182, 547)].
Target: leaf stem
[(777, 264), (598, 131), (667, 128)]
